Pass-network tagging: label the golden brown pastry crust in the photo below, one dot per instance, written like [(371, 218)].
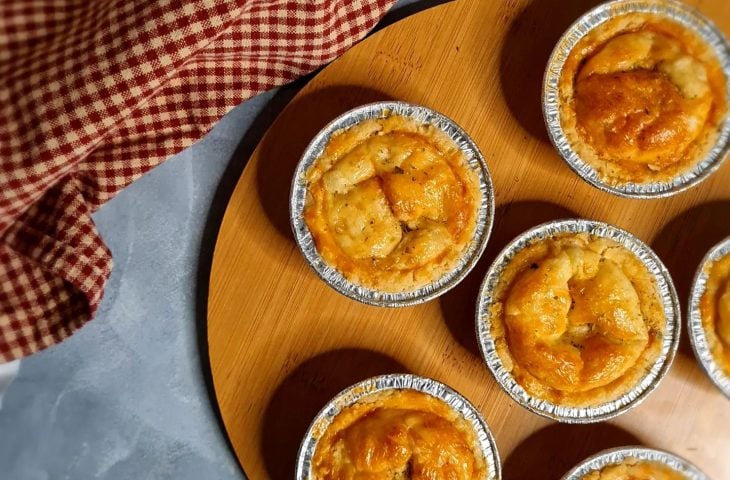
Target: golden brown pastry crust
[(392, 203), (399, 434), (642, 99), (715, 311), (633, 469), (577, 319)]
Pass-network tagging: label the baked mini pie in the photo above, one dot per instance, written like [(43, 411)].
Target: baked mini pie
[(633, 469), (577, 319), (642, 99), (392, 203), (398, 434), (715, 312)]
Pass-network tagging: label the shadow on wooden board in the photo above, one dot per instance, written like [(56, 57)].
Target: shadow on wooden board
[(527, 46), (282, 147), (551, 452), (458, 306), (683, 243), (302, 395)]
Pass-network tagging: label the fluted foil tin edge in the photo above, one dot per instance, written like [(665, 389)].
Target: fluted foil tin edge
[(484, 219), (402, 381), (551, 102), (617, 455), (647, 384), (694, 318)]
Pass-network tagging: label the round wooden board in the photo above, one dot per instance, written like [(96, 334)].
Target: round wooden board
[(282, 343)]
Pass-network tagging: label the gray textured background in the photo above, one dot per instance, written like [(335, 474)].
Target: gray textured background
[(126, 398)]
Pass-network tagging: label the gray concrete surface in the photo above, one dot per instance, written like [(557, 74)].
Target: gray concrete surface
[(126, 398)]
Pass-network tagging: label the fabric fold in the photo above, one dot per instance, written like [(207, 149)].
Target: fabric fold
[(95, 94)]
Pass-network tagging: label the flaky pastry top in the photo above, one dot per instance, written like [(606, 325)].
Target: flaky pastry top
[(633, 469), (392, 203), (715, 312), (577, 319), (643, 99), (399, 435)]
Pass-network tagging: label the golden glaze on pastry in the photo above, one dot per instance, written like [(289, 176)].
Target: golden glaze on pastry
[(577, 319), (392, 203), (643, 99), (715, 311), (400, 434), (632, 469)]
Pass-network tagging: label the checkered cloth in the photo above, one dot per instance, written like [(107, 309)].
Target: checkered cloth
[(94, 93)]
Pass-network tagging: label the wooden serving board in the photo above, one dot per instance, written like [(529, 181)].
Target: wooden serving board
[(282, 343)]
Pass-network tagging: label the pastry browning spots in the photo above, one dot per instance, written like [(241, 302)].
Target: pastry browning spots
[(715, 311), (400, 434), (392, 203), (632, 469), (577, 319), (643, 99)]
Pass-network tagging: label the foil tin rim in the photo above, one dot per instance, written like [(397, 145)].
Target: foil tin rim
[(551, 102), (648, 383), (398, 381), (697, 336), (484, 219), (617, 455)]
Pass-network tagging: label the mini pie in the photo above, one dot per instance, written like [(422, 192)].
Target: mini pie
[(392, 203), (642, 99), (577, 319), (399, 434), (633, 469), (715, 312)]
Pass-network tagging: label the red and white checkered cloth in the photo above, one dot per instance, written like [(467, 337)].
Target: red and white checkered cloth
[(93, 94)]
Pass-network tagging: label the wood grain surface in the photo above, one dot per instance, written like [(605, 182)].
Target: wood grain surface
[(282, 343)]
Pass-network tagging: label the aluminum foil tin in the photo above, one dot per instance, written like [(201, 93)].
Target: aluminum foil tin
[(617, 455), (385, 383), (696, 331), (551, 101), (484, 220), (652, 378)]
